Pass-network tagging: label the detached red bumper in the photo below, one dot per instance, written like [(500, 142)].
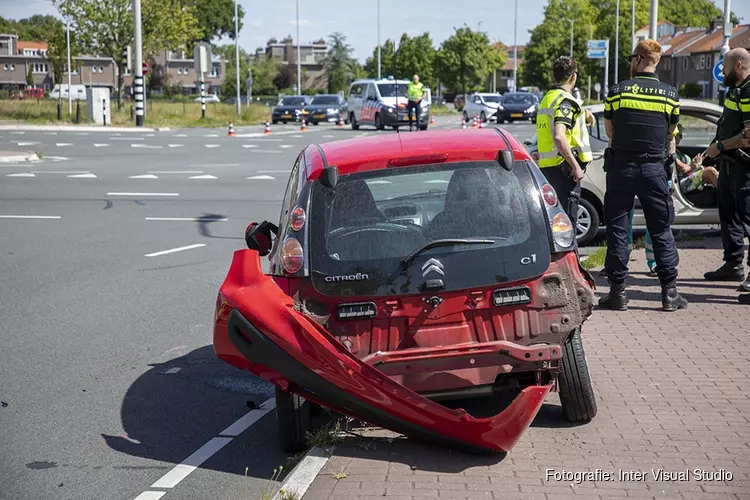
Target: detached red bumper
[(258, 329)]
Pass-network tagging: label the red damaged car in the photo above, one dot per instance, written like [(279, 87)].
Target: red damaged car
[(406, 271)]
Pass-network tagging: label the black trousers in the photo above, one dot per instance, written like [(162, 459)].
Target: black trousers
[(568, 191), (648, 181), (734, 209), (413, 105)]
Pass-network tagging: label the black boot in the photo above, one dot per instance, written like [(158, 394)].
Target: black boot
[(671, 300), (745, 286), (727, 272), (616, 300)]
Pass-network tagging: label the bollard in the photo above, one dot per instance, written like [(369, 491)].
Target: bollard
[(59, 111), (78, 112), (104, 111)]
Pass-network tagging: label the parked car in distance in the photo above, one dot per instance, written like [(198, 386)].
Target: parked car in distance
[(209, 98), (516, 106), (60, 91), (326, 108), (408, 270), (699, 120), (289, 109), (482, 105), (382, 103)]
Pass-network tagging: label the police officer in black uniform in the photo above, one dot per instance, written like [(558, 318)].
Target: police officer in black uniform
[(640, 115), (731, 152)]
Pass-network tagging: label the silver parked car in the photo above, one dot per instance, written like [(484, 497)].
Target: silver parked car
[(482, 105), (699, 127)]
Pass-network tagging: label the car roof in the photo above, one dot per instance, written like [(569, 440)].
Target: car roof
[(375, 80), (371, 153)]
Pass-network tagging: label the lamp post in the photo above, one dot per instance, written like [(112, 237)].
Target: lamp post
[(515, 50), (379, 75), (138, 78), (237, 55), (617, 35), (299, 61), (70, 92), (654, 21)]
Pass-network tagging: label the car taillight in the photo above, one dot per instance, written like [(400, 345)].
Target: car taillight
[(297, 218), (562, 230), (292, 256), (550, 197)]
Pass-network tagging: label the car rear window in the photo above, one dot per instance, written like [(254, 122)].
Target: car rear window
[(362, 231), (293, 101), (325, 100), (518, 99), (392, 90)]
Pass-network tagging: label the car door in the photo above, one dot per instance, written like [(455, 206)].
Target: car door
[(369, 104), (355, 100)]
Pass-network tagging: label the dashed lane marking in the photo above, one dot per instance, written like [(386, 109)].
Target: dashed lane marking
[(151, 495), (261, 177), (175, 250), (180, 135), (378, 182), (187, 219), (21, 143), (143, 194), (207, 176), (83, 176), (175, 172), (145, 176), (328, 136), (26, 174), (273, 171), (145, 146), (266, 151), (216, 165), (63, 144), (18, 133), (51, 133), (285, 146), (101, 145), (176, 145), (213, 145), (212, 135), (30, 217), (127, 139), (436, 181), (249, 145)]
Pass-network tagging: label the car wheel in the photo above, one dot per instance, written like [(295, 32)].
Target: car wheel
[(284, 122), (588, 222), (423, 127), (576, 391), (274, 121), (353, 121), (395, 127), (378, 122), (483, 117), (293, 418)]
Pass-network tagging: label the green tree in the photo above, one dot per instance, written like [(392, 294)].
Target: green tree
[(105, 27), (415, 55), (37, 28), (264, 73), (339, 63), (215, 18), (464, 60), (57, 52), (30, 77), (387, 53)]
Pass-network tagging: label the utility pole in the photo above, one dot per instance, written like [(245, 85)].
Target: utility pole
[(70, 91), (632, 25), (617, 36), (515, 51), (237, 56), (654, 19), (379, 75), (138, 78), (299, 60), (725, 46)]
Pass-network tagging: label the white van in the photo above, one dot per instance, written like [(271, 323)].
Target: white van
[(78, 94), (382, 103)]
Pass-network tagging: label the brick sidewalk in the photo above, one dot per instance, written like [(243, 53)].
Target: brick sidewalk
[(671, 395)]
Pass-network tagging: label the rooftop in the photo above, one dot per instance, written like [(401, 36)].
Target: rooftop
[(712, 41)]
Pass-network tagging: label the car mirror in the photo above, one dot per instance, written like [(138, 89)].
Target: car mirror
[(505, 158), (329, 177), (258, 237)]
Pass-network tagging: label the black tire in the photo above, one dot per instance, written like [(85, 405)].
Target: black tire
[(274, 121), (314, 123), (353, 122), (284, 122), (423, 127), (293, 418), (379, 122), (585, 206), (576, 392)]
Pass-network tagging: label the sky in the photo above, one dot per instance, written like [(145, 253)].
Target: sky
[(357, 20)]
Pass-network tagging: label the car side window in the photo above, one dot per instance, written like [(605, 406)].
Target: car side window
[(355, 91), (371, 91), (477, 99), (599, 130)]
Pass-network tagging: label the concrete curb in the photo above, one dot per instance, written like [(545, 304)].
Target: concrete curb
[(302, 476), (77, 128), (19, 158)]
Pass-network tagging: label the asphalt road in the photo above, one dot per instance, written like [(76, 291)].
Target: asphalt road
[(109, 379)]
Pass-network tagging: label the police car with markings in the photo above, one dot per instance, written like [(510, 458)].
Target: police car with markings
[(383, 103)]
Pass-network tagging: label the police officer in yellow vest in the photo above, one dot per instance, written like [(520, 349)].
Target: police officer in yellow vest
[(563, 138), (415, 93)]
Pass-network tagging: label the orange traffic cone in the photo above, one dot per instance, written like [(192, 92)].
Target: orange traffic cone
[(474, 124), (463, 122), (303, 128), (268, 128), (231, 129), (432, 119), (481, 123), (341, 121)]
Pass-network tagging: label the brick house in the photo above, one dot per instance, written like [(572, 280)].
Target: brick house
[(312, 57), (502, 77), (176, 69)]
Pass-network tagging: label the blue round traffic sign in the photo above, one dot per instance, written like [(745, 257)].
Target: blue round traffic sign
[(719, 71)]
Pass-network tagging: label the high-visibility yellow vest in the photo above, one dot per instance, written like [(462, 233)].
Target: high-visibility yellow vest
[(577, 136), (414, 91)]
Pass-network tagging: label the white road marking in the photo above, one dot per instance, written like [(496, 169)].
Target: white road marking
[(185, 219), (249, 419), (303, 475), (61, 171), (145, 176), (63, 144), (148, 146), (267, 139), (83, 176), (379, 181), (437, 181), (176, 145), (267, 151), (26, 143), (101, 145), (175, 172), (328, 136), (27, 174), (285, 146), (273, 171), (213, 145), (126, 139), (297, 136), (174, 250), (261, 177), (82, 133), (56, 158), (18, 133), (180, 135), (151, 495), (149, 135), (183, 470), (249, 145), (203, 177), (212, 135), (143, 194), (51, 133), (30, 217), (216, 165)]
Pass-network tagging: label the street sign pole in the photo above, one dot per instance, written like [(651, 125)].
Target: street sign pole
[(138, 79), (617, 36), (237, 57), (606, 72), (249, 86)]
